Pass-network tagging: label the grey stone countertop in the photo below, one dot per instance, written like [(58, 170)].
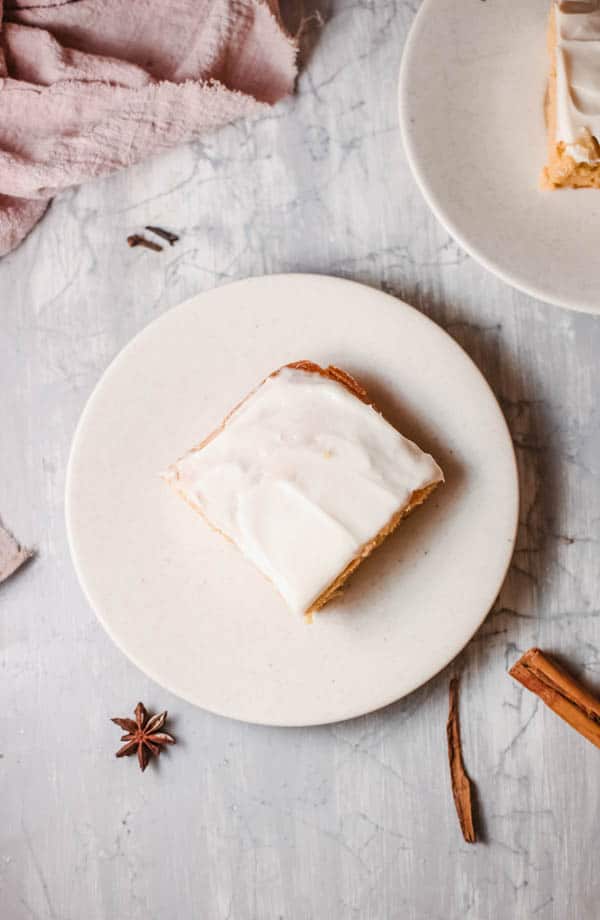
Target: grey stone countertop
[(353, 820)]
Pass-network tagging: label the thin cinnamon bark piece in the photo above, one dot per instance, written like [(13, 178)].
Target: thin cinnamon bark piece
[(461, 784), (171, 238), (560, 692), (137, 240)]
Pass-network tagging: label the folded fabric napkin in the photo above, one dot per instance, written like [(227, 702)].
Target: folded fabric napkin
[(90, 86), (12, 555)]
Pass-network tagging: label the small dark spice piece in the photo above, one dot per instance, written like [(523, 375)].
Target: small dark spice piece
[(144, 736), (136, 240), (164, 234), (461, 784)]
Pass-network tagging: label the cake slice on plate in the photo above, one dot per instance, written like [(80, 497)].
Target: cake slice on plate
[(573, 100), (307, 479)]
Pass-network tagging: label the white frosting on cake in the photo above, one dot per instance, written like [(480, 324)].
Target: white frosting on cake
[(578, 77), (301, 477)]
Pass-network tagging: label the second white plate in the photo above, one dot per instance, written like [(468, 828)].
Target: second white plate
[(472, 87), (185, 606)]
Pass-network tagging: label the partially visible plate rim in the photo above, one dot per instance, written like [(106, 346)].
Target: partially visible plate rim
[(438, 209)]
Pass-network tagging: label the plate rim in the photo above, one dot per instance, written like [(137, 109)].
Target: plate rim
[(296, 277), (437, 208)]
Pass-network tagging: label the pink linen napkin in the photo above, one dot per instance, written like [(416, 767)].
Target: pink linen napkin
[(12, 555), (90, 86)]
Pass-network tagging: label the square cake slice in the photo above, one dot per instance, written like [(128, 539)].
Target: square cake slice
[(307, 479), (573, 99)]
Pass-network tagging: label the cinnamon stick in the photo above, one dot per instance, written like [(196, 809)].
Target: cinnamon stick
[(560, 692), (461, 784), (578, 6)]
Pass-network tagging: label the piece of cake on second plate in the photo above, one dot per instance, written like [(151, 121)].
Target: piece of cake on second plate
[(573, 99), (307, 478)]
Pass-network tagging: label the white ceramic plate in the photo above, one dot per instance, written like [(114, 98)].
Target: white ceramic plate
[(181, 601), (472, 86)]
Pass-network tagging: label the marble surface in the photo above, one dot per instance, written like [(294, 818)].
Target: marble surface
[(353, 820)]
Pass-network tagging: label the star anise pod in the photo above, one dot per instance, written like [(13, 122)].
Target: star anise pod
[(143, 736)]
